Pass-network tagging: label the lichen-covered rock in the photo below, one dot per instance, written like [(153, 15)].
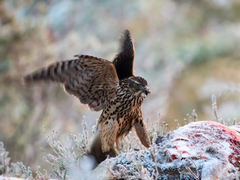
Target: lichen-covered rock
[(200, 150)]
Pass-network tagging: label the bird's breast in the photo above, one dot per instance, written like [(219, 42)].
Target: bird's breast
[(125, 117), (124, 109)]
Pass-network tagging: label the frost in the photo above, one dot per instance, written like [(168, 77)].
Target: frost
[(200, 150)]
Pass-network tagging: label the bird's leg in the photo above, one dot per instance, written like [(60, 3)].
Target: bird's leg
[(142, 132), (117, 147), (116, 151)]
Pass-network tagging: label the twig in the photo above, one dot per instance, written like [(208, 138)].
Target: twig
[(214, 107), (189, 169)]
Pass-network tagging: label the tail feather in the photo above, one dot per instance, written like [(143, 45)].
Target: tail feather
[(96, 151)]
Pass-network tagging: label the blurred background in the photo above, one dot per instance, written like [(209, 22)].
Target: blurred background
[(187, 50)]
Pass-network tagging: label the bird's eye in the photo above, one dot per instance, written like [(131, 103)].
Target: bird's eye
[(137, 85)]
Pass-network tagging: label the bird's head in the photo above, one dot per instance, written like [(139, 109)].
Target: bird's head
[(137, 86)]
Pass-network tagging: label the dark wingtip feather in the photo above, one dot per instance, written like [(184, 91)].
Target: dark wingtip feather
[(127, 43), (124, 60), (126, 33), (30, 79), (36, 77), (26, 81)]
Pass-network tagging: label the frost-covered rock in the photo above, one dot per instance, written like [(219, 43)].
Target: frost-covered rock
[(200, 150)]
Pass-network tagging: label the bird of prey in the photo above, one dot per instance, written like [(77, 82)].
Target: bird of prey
[(103, 85)]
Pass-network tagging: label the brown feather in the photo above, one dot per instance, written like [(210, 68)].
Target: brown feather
[(93, 80), (142, 132)]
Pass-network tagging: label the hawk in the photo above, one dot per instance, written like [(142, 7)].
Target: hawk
[(103, 85)]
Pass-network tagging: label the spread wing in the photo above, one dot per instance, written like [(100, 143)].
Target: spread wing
[(124, 60), (93, 80)]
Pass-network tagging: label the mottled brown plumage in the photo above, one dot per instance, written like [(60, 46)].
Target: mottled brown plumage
[(104, 85), (93, 80)]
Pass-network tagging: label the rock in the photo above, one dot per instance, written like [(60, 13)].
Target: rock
[(200, 150)]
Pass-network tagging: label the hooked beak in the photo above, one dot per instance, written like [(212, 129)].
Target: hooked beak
[(146, 90)]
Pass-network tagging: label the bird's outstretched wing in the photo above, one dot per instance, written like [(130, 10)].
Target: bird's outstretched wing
[(93, 80), (124, 60)]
